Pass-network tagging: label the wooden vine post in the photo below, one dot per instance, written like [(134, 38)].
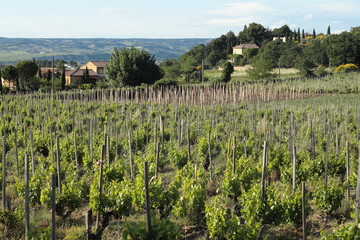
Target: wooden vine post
[(303, 208), (3, 193), (347, 171), (294, 169), (234, 156), (210, 157), (27, 198), (58, 164), (32, 153), (53, 207), (263, 173), (101, 169), (357, 198), (147, 199)]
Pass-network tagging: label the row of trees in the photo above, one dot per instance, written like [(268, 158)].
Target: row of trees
[(22, 74)]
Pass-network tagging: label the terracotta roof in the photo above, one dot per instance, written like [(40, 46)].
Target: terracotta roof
[(80, 72), (246, 45), (99, 63)]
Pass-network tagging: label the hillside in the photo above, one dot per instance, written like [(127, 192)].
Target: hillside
[(85, 49)]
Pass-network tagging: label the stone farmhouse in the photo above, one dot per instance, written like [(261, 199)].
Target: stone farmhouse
[(239, 49)]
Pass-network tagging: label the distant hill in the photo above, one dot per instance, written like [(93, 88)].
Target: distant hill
[(82, 50)]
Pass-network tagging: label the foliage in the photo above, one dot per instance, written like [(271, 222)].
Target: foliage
[(9, 73), (344, 232), (161, 229), (224, 224), (165, 82), (227, 71), (329, 198), (261, 69), (350, 67), (132, 67), (26, 72)]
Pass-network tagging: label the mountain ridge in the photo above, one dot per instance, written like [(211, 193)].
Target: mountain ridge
[(82, 50)]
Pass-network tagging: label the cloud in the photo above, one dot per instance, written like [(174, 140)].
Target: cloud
[(242, 9), (343, 7), (308, 17), (239, 14), (115, 11)]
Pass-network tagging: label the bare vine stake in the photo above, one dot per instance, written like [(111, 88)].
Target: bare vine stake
[(147, 198), (76, 152), (53, 207), (347, 171), (357, 192), (188, 136), (130, 155), (16, 152), (108, 149), (303, 201), (263, 173), (101, 167), (234, 156), (210, 157), (245, 150), (58, 163), (4, 173), (337, 142), (27, 198), (52, 147), (294, 169), (90, 139), (327, 159), (32, 153), (157, 160)]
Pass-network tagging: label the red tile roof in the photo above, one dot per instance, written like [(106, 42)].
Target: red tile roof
[(99, 63), (246, 45), (80, 72)]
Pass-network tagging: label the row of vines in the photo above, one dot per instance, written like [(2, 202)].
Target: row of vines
[(206, 168)]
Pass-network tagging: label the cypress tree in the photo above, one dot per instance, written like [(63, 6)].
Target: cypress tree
[(298, 35), (328, 30), (63, 80), (303, 34), (314, 33)]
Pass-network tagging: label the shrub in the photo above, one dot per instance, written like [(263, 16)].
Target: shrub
[(350, 67), (165, 82)]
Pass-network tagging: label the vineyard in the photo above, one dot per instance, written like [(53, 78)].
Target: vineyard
[(255, 161)]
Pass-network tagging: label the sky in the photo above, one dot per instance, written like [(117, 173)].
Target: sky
[(168, 18)]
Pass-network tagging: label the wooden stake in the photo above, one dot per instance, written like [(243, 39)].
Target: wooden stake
[(4, 173), (147, 198), (27, 198), (263, 173), (53, 207), (303, 208)]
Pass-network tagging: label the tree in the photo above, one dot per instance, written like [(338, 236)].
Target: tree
[(26, 72), (261, 69), (305, 66), (9, 73), (132, 67), (342, 49), (86, 75), (282, 31), (314, 33), (231, 41), (255, 33), (63, 79), (227, 71), (328, 31), (171, 69)]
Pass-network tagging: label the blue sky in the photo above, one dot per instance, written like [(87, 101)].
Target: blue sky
[(168, 19)]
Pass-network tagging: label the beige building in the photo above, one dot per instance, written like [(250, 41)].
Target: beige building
[(75, 77), (96, 66), (239, 49)]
